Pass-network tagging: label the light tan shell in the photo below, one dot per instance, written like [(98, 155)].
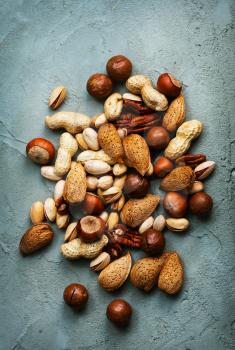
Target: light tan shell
[(175, 114), (75, 184), (76, 248), (135, 83), (136, 153), (178, 179), (70, 121), (94, 155), (172, 275), (153, 98), (111, 142), (113, 106), (135, 211), (58, 95), (116, 273)]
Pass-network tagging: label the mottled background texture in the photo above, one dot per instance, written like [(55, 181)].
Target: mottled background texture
[(46, 43)]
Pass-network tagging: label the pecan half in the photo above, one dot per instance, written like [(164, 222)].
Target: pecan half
[(113, 248), (137, 106), (136, 124), (127, 237), (191, 160)]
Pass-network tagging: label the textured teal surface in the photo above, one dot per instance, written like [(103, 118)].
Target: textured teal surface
[(46, 43)]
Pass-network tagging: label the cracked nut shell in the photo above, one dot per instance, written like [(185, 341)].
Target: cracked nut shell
[(76, 296), (40, 151)]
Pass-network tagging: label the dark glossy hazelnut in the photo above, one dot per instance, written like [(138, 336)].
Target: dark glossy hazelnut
[(175, 204), (90, 228), (119, 68), (168, 85), (136, 186), (157, 138), (92, 204), (119, 312), (99, 86), (201, 204), (40, 151), (76, 296), (162, 167), (153, 242)]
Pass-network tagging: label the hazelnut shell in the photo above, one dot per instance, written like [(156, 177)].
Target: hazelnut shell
[(40, 151), (168, 85)]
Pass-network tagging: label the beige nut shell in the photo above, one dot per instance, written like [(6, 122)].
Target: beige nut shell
[(172, 275), (178, 179), (75, 184), (111, 142)]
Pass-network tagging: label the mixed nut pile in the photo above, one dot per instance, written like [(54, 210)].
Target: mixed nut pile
[(109, 180)]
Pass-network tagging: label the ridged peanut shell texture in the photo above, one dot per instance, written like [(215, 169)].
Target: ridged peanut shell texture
[(136, 153), (172, 275), (75, 184), (178, 179), (116, 273), (35, 238), (135, 211), (175, 114), (111, 142)]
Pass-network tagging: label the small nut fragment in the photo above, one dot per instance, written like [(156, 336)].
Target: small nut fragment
[(50, 209), (113, 220), (111, 195), (104, 216), (58, 95), (203, 170), (119, 204), (49, 173), (97, 167), (135, 83), (91, 182), (119, 169), (197, 186), (91, 138), (100, 120), (62, 220), (71, 232), (105, 182), (81, 142), (113, 106), (37, 213), (148, 223), (119, 181), (58, 192), (150, 170), (159, 223), (100, 262), (122, 132), (177, 225)]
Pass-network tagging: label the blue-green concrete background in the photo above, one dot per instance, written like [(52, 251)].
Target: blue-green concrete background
[(46, 43)]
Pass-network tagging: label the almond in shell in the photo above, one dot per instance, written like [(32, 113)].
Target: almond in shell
[(35, 238), (175, 114), (171, 276), (116, 273), (111, 142), (178, 179), (75, 184)]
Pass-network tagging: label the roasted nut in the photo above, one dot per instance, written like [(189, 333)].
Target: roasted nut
[(50, 209), (100, 120), (91, 138), (40, 151), (105, 182), (75, 185), (90, 228), (99, 86), (153, 98), (70, 121), (68, 148), (168, 85), (110, 195), (113, 220), (157, 138), (148, 223), (35, 238), (94, 155), (159, 223), (135, 83), (57, 97), (119, 181), (104, 216), (92, 204), (192, 160), (131, 97), (37, 212), (100, 262), (136, 186), (153, 242), (175, 114), (203, 170), (48, 172), (177, 225), (113, 106), (178, 179), (163, 166), (81, 142), (150, 170), (92, 183), (171, 277), (175, 204), (76, 296), (201, 204), (119, 169), (118, 205), (97, 167), (119, 312), (111, 142), (119, 68), (58, 193), (197, 186), (62, 220), (71, 232)]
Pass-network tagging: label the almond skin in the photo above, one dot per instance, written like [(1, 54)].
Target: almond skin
[(136, 153), (178, 179), (175, 114), (172, 275), (116, 273), (35, 238), (111, 142), (136, 211), (75, 184)]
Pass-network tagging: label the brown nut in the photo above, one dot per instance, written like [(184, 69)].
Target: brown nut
[(119, 312), (203, 170), (76, 296), (168, 85), (92, 204), (90, 228), (153, 242), (119, 68), (192, 160), (136, 186), (175, 204), (40, 151), (157, 138), (201, 204), (162, 166), (99, 86)]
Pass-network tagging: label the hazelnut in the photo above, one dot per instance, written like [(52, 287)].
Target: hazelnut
[(157, 138), (99, 86), (90, 228), (168, 85), (201, 204), (40, 151), (175, 204), (136, 186), (119, 312), (119, 68), (92, 204), (76, 296), (163, 166), (153, 242)]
